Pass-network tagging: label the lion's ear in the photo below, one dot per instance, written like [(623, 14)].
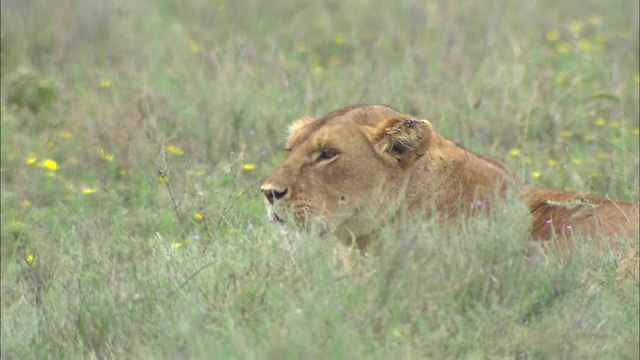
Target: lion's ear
[(405, 139), (299, 124)]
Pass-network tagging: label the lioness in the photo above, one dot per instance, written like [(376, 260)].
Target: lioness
[(357, 167)]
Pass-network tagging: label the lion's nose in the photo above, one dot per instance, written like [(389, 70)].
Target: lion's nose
[(273, 194)]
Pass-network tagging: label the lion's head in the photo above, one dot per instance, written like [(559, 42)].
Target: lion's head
[(347, 170)]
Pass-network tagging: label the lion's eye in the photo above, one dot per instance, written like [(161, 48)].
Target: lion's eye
[(327, 154)]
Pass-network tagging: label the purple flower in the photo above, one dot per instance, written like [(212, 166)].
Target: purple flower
[(251, 133)]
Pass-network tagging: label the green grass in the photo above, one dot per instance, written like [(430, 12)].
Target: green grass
[(102, 257)]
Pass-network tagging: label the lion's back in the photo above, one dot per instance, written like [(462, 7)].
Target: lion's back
[(562, 214)]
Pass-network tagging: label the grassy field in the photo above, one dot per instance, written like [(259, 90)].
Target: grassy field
[(135, 135)]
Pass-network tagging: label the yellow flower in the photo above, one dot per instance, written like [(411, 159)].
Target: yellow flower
[(576, 27), (528, 160), (601, 39), (602, 155), (551, 162), (601, 121), (616, 140), (49, 164), (340, 39), (176, 245), (635, 131), (122, 172), (595, 19), (31, 160), (195, 46), (398, 334), (198, 216), (584, 45), (65, 135), (563, 47), (553, 35), (249, 166), (195, 172), (576, 161), (614, 124), (594, 175), (637, 79), (566, 133), (104, 83), (536, 174), (31, 259), (175, 150), (163, 179), (105, 155), (88, 190), (514, 152), (562, 78), (302, 47), (26, 202), (317, 70)]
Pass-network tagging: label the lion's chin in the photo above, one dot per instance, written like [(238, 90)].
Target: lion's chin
[(311, 226), (273, 216)]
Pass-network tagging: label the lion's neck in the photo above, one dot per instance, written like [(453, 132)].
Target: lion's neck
[(450, 179)]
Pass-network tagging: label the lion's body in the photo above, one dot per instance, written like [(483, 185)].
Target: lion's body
[(357, 167), (562, 214)]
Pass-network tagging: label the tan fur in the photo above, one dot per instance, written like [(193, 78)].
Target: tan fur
[(357, 167), (299, 124)]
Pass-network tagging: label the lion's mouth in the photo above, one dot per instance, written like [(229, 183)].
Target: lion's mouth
[(318, 227), (275, 219)]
